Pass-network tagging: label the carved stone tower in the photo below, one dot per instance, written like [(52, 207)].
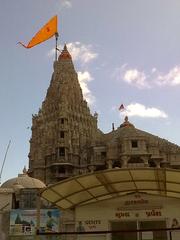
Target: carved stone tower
[(63, 129), (66, 141)]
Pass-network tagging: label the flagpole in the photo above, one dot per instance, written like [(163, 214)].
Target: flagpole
[(56, 49)]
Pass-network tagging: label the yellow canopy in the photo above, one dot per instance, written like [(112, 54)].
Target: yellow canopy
[(107, 184)]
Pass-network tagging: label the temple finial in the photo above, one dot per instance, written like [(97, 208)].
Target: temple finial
[(126, 123), (24, 170), (65, 55), (65, 47)]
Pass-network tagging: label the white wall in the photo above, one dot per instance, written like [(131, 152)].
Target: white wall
[(97, 216)]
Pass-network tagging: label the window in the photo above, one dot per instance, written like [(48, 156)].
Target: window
[(103, 155), (61, 134), (134, 143), (28, 199), (61, 151), (62, 120)]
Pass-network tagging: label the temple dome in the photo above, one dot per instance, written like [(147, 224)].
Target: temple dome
[(23, 181), (126, 123)]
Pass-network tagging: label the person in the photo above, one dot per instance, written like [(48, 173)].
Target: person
[(80, 227), (175, 223), (51, 222)]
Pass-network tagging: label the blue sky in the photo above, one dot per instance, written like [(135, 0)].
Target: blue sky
[(124, 52)]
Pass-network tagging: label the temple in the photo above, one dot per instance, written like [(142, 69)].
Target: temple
[(66, 140), (64, 130), (124, 184)]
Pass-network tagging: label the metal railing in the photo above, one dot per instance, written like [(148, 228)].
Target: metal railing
[(169, 233)]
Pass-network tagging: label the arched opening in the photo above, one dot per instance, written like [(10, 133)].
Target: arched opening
[(116, 164)]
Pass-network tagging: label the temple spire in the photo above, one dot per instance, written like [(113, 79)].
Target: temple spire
[(62, 127), (65, 55)]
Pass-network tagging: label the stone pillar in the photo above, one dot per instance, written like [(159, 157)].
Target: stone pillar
[(109, 163), (124, 161), (158, 163), (145, 159)]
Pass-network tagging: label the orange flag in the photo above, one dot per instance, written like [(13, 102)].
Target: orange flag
[(46, 32)]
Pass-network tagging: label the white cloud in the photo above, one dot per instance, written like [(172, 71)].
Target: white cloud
[(84, 78), (66, 3), (172, 78), (63, 4), (80, 52), (132, 76), (142, 80), (136, 78), (154, 70), (137, 109)]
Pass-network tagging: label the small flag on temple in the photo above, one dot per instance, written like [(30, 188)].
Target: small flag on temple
[(46, 32), (121, 108)]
